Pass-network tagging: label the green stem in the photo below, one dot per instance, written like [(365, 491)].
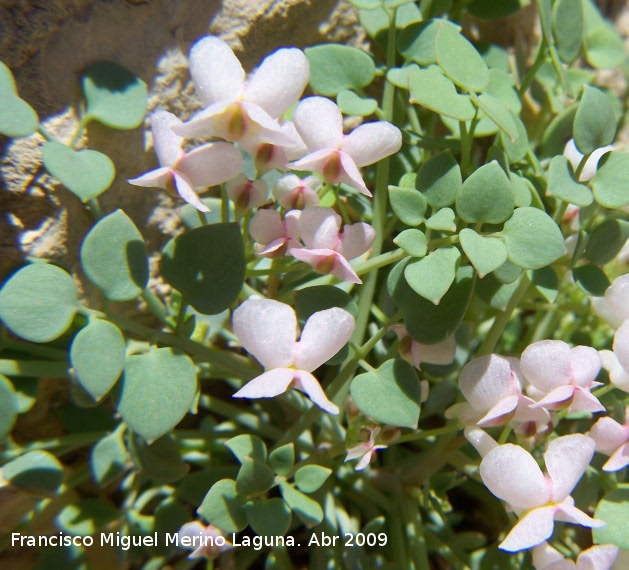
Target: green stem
[(95, 209), (529, 76), (428, 433), (224, 204), (154, 304), (32, 348), (72, 440), (181, 318), (34, 368)]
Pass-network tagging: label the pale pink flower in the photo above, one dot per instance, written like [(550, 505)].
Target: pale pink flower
[(574, 155), (597, 557), (182, 172), (207, 541), (240, 109), (267, 156), (272, 234), (415, 352), (328, 250), (617, 362), (337, 156), (268, 330), (247, 194), (365, 452), (612, 439), (561, 376), (512, 474), (614, 305), (294, 193)]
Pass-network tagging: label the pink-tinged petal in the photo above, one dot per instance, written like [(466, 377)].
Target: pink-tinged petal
[(319, 228), (279, 81), (532, 529), (480, 439), (274, 249), (586, 364), (567, 512), (291, 222), (185, 189), (266, 226), (308, 384), (442, 353), (267, 329), (211, 164), (487, 380), (526, 490), (585, 401), (294, 193), (591, 165), (609, 435), (358, 450), (167, 144), (598, 557), (501, 413), (263, 128), (614, 306), (247, 194), (216, 72), (319, 123), (328, 262), (618, 376), (621, 345), (356, 239), (324, 334), (618, 460), (566, 459), (351, 176), (556, 399), (208, 122), (268, 385), (158, 178), (544, 555), (546, 364), (526, 413), (365, 460), (315, 162), (464, 413), (372, 142)]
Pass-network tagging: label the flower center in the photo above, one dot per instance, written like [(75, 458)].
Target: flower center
[(236, 120), (332, 168)]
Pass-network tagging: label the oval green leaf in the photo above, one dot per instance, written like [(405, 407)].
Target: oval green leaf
[(224, 507), (247, 445), (408, 205), (611, 180), (87, 517), (306, 509), (614, 510), (351, 104), (335, 68), (269, 517), (562, 185), (8, 407), (436, 92), (432, 276), (595, 122), (442, 221), (413, 242), (485, 253), (109, 458), (606, 241), (439, 179), (309, 478), (254, 476), (17, 117), (282, 459), (36, 471), (160, 461)]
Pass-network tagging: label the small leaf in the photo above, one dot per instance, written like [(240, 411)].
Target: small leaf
[(114, 258), (224, 507), (207, 266), (611, 180), (306, 509), (351, 104), (533, 239), (562, 185), (500, 114), (442, 221), (254, 476), (156, 391), (508, 272), (591, 279), (390, 395), (36, 471), (412, 242), (8, 407), (335, 68), (496, 294), (247, 445), (114, 96), (604, 48), (282, 459), (436, 92), (269, 517), (86, 173), (502, 87), (309, 478), (432, 276), (310, 300), (614, 511), (518, 149), (492, 10), (568, 28), (399, 76), (486, 196), (417, 41), (606, 241), (546, 281), (87, 517), (17, 117), (109, 458), (595, 123), (38, 302), (522, 190), (408, 205), (439, 179), (97, 355), (485, 253), (161, 460)]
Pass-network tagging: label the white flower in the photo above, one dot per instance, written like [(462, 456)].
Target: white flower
[(612, 439), (614, 306), (415, 352), (292, 192), (574, 155), (246, 194), (273, 236), (597, 557), (207, 541)]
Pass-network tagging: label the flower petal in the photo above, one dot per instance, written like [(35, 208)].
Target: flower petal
[(546, 364), (208, 122), (544, 555), (267, 329), (621, 345), (614, 306), (501, 412), (266, 226), (618, 376), (279, 81), (216, 72), (186, 191), (566, 459), (319, 228), (567, 512), (442, 353), (167, 144), (608, 434), (158, 178), (308, 384), (211, 164), (618, 460), (556, 399), (585, 401), (372, 142), (266, 129), (480, 439), (598, 557), (324, 334), (326, 261), (532, 529), (351, 176), (591, 165), (586, 364), (319, 123), (267, 385), (356, 239)]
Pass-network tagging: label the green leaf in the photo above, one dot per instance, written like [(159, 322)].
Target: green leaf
[(247, 445), (591, 279), (8, 407), (562, 185), (408, 205), (417, 41), (335, 68), (309, 478), (442, 221), (399, 76), (546, 281), (109, 458), (321, 297), (38, 302), (86, 173), (254, 476), (161, 460), (114, 96), (595, 122), (502, 87), (485, 253), (412, 242), (533, 239), (224, 507), (376, 21), (426, 322), (439, 179), (500, 114), (390, 395), (436, 92), (606, 241), (568, 28), (114, 258), (157, 390), (87, 517), (508, 272), (604, 48), (558, 132), (486, 196), (610, 183), (207, 266), (97, 355), (460, 60), (306, 509), (36, 471), (282, 459), (269, 517), (17, 117), (351, 104), (522, 190), (432, 276), (492, 10), (518, 149), (614, 511), (496, 294)]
